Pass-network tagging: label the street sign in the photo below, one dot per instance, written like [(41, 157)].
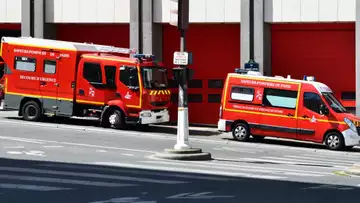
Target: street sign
[(181, 58), (251, 65)]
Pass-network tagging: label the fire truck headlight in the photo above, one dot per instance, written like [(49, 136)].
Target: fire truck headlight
[(350, 124), (145, 114)]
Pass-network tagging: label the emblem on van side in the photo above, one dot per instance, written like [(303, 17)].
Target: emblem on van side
[(313, 119), (258, 95), (91, 92), (128, 96)]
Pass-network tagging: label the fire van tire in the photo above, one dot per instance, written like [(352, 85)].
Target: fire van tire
[(241, 132), (116, 119), (31, 111), (334, 141)]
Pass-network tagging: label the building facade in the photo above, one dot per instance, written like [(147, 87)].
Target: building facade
[(291, 37)]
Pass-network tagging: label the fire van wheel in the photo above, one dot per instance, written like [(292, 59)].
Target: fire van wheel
[(116, 119), (31, 111), (334, 141), (241, 132)]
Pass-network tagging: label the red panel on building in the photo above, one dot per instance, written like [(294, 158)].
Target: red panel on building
[(216, 52), (326, 51), (107, 34), (10, 26)]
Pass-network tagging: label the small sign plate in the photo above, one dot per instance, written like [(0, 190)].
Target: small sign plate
[(181, 58)]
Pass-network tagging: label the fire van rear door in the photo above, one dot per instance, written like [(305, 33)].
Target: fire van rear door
[(48, 85)]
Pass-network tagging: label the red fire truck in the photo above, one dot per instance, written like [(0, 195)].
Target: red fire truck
[(59, 78)]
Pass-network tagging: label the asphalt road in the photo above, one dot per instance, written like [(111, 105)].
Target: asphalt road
[(52, 162)]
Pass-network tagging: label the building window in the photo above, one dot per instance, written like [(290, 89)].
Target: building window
[(312, 101), (280, 98), (214, 98), (195, 98), (242, 94), (195, 84), (110, 73), (25, 64), (215, 83), (125, 75), (92, 72), (49, 66), (348, 96)]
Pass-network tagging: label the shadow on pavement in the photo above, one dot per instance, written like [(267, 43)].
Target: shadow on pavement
[(168, 129), (45, 182)]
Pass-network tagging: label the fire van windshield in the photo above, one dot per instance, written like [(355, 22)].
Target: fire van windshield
[(154, 77), (334, 103)]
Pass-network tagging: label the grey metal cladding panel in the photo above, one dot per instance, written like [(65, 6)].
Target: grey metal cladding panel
[(12, 101), (48, 105), (65, 108)]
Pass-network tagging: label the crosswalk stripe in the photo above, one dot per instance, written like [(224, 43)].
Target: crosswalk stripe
[(322, 156), (329, 159), (136, 172), (31, 187), (64, 181), (90, 175), (244, 168), (313, 162)]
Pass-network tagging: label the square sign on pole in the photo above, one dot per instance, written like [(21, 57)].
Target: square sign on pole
[(181, 58)]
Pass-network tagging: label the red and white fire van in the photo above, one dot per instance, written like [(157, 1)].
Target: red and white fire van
[(260, 106), (58, 78)]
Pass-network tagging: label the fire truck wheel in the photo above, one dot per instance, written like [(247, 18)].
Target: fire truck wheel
[(241, 132), (334, 141), (116, 119), (31, 111)]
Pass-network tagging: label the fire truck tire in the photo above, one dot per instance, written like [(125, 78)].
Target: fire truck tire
[(31, 111), (116, 119), (241, 132), (334, 141)]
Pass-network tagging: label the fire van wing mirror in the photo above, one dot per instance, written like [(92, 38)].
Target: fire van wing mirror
[(324, 110)]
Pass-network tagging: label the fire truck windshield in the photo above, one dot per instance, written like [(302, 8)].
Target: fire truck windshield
[(154, 77), (334, 103)]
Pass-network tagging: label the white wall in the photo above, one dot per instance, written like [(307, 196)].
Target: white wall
[(88, 11), (310, 10), (10, 11), (208, 11)]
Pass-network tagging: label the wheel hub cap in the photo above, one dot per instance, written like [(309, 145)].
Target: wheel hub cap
[(333, 141), (240, 132), (113, 119)]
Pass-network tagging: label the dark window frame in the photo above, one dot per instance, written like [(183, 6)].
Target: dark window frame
[(281, 90), (101, 72), (50, 60), (106, 74), (212, 82), (211, 98), (16, 60), (192, 98), (304, 105), (127, 81), (238, 100)]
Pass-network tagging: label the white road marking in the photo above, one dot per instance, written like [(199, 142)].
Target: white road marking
[(53, 146), (344, 157), (124, 200), (128, 154), (200, 195), (246, 168), (101, 151), (62, 180), (15, 147), (300, 161), (320, 159), (200, 177), (177, 169), (91, 175), (21, 139), (14, 152), (31, 187), (75, 144), (281, 162)]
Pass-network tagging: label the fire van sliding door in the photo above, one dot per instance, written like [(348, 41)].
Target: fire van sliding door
[(48, 85)]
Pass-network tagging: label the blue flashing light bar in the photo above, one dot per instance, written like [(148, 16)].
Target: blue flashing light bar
[(309, 78), (144, 56)]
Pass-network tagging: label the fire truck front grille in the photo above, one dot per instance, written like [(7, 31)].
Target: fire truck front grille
[(159, 103)]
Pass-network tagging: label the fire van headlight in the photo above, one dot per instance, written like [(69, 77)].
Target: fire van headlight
[(350, 124), (145, 115)]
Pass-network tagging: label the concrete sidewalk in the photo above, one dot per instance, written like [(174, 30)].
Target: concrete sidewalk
[(354, 170)]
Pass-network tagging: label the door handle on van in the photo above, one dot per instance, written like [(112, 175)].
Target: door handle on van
[(42, 83), (290, 115), (305, 116)]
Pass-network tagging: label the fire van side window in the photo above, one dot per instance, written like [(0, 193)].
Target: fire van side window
[(242, 94), (92, 72), (25, 64), (312, 101), (49, 67), (280, 98)]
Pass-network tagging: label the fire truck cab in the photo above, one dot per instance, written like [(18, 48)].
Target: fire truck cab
[(58, 78), (259, 106)]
